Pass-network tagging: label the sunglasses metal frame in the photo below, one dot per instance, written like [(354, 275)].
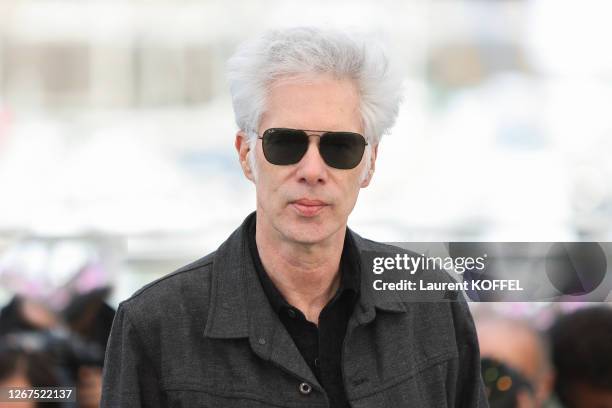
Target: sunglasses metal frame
[(323, 133)]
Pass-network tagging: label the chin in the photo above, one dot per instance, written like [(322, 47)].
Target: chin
[(309, 231)]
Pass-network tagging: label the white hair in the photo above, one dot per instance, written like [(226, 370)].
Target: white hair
[(308, 51)]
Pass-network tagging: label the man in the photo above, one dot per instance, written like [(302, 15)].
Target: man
[(521, 347), (582, 355), (279, 315)]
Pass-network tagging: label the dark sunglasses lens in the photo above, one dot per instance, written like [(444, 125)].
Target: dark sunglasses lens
[(284, 146), (342, 150)]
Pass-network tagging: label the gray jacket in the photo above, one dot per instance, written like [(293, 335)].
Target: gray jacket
[(206, 336)]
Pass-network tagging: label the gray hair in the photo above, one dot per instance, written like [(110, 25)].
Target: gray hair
[(307, 51)]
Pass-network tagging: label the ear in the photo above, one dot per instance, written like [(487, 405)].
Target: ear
[(242, 148), (368, 177)]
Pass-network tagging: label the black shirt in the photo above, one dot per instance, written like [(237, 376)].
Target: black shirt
[(321, 347)]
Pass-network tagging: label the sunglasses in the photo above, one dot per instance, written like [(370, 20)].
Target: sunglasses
[(340, 150)]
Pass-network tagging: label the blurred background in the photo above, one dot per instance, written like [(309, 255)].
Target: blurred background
[(116, 137)]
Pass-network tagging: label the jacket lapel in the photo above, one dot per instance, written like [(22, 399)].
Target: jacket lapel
[(239, 308)]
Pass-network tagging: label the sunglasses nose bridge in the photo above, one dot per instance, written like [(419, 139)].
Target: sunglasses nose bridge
[(312, 158), (313, 144), (316, 136)]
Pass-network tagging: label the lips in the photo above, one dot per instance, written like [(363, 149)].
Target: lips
[(308, 208)]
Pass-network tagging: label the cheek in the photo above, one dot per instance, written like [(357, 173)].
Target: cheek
[(350, 190), (269, 186)]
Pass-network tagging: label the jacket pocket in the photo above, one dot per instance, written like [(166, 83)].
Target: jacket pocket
[(194, 397), (424, 387), (200, 399)]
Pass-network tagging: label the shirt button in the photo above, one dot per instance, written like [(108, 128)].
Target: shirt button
[(291, 313), (305, 388), (261, 340)]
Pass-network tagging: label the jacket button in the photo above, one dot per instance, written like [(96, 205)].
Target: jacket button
[(261, 340), (305, 388)]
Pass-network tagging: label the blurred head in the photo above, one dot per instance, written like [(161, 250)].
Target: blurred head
[(20, 368), (582, 354), (309, 79), (521, 347)]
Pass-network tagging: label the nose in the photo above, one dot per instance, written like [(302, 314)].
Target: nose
[(312, 168)]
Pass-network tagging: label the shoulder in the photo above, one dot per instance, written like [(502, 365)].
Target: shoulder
[(173, 295)]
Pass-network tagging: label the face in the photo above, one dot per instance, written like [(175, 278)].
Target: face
[(519, 349), (307, 202)]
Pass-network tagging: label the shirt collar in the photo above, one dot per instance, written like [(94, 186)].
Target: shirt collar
[(238, 305)]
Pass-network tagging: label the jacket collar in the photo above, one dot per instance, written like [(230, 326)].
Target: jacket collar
[(239, 307)]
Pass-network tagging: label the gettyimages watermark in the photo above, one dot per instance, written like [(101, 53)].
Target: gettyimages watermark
[(491, 271)]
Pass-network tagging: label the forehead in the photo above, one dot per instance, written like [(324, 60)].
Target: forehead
[(318, 103)]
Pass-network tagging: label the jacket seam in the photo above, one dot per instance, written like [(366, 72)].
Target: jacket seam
[(236, 395), (212, 304), (164, 278), (139, 340), (440, 358)]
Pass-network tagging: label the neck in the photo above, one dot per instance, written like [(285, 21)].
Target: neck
[(307, 275)]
